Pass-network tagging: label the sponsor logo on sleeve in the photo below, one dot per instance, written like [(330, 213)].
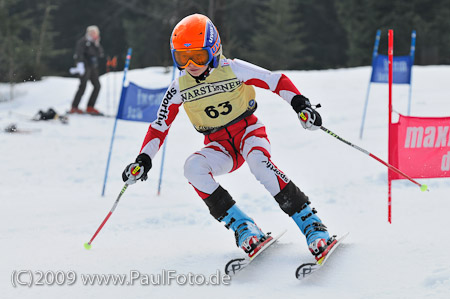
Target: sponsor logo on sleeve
[(164, 108)]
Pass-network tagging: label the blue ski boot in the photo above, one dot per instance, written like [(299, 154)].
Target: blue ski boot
[(317, 237), (296, 204), (248, 235)]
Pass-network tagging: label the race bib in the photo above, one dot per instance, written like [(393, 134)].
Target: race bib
[(217, 101)]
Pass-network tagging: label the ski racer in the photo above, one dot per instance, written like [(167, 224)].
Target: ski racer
[(219, 98)]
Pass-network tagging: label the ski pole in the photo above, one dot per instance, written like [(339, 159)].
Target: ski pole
[(423, 187), (88, 244)]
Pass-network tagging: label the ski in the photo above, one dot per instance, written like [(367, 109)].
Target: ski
[(13, 129), (49, 115), (306, 269), (64, 119), (234, 266)]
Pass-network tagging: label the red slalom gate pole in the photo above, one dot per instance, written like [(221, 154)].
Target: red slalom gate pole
[(88, 244), (391, 62), (393, 168)]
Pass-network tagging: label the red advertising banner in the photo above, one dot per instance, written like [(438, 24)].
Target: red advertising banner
[(420, 147)]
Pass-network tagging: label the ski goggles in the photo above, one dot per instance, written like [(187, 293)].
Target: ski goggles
[(199, 57)]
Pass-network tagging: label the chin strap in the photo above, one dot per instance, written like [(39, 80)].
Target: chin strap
[(202, 76), (205, 74)]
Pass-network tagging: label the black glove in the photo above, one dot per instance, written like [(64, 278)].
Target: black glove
[(309, 118), (138, 170)]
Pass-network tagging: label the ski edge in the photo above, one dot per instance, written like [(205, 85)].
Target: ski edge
[(320, 263), (245, 261)]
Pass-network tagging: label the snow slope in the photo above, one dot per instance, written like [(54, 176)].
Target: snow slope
[(51, 180)]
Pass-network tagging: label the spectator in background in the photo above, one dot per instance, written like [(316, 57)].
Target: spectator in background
[(87, 53)]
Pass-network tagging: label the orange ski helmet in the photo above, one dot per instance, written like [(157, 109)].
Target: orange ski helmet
[(195, 40)]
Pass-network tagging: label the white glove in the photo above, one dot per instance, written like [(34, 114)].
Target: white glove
[(310, 119), (79, 69)]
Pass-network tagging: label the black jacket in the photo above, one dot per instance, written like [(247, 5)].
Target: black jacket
[(87, 52)]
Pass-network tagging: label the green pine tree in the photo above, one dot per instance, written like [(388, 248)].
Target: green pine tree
[(277, 40)]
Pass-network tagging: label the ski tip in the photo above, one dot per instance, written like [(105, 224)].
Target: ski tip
[(234, 266), (304, 270)]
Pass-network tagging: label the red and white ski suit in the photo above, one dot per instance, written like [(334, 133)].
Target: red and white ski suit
[(222, 108)]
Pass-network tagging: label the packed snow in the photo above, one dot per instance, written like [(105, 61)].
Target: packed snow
[(51, 203)]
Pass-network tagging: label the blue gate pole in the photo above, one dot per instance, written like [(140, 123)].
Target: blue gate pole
[(164, 146), (125, 70), (411, 54), (374, 56)]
